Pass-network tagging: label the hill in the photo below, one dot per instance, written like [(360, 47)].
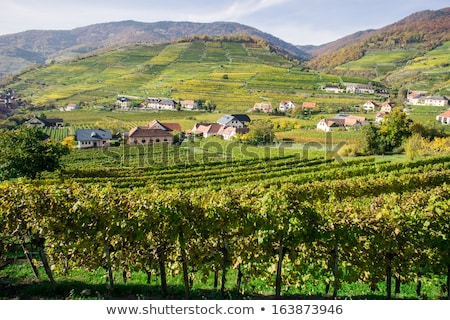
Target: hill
[(315, 51), (235, 73), (383, 53), (38, 46)]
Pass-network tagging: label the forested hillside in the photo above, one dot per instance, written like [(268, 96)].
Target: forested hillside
[(422, 31)]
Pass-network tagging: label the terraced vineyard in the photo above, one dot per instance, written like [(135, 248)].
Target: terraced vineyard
[(233, 74)]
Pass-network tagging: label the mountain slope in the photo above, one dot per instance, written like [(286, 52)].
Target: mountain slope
[(385, 54), (38, 47), (315, 51), (423, 31), (233, 73)]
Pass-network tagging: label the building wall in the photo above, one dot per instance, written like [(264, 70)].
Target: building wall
[(149, 140), (93, 144)]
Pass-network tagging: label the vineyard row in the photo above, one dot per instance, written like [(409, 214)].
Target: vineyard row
[(363, 229)]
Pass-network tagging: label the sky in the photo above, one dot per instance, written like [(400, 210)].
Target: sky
[(300, 22)]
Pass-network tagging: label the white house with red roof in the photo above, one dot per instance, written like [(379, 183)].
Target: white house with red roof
[(341, 121), (286, 105), (420, 99), (444, 118), (154, 132)]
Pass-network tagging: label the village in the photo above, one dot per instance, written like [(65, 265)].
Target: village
[(228, 126)]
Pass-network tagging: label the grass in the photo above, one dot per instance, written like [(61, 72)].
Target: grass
[(18, 282)]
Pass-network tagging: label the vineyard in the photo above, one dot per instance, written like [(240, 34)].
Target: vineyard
[(290, 222), (233, 75)]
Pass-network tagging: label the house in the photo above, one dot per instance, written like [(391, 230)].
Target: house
[(286, 105), (230, 132), (208, 129), (146, 135), (380, 117), (332, 89), (234, 120), (387, 107), (72, 106), (154, 132), (263, 107), (309, 105), (419, 99), (370, 106), (436, 101), (414, 98), (123, 102), (160, 104), (188, 104), (358, 88), (93, 138), (341, 121), (444, 118), (328, 125), (37, 122), (215, 129)]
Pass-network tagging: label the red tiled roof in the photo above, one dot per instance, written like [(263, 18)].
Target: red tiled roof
[(155, 124), (209, 128), (311, 105), (145, 132), (172, 126), (445, 114)]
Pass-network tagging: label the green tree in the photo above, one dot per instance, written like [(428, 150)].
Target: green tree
[(395, 129), (26, 152), (371, 143), (261, 131), (391, 134), (210, 105), (414, 146)]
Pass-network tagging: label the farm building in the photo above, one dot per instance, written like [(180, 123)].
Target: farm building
[(37, 122), (93, 138), (341, 121), (234, 120), (154, 132)]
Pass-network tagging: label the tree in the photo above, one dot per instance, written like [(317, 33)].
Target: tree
[(210, 106), (261, 131), (414, 146), (26, 153), (394, 130)]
